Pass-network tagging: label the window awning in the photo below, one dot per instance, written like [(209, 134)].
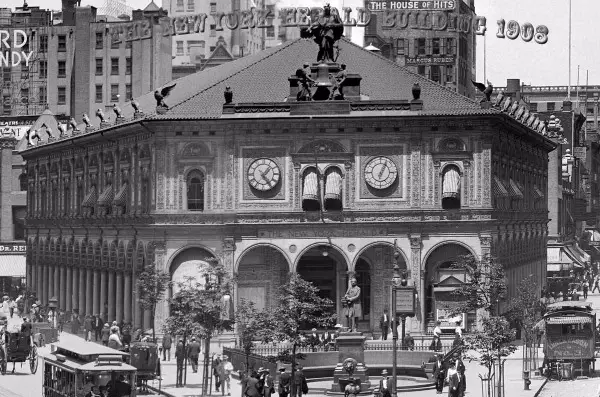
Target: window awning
[(499, 188), (12, 266), (579, 253), (310, 189), (90, 198), (451, 183), (513, 190), (568, 258), (333, 185), (121, 197), (569, 320), (537, 192), (106, 197)]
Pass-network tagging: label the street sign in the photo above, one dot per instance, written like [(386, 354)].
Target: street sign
[(405, 301)]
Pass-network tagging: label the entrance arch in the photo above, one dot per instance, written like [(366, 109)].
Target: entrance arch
[(441, 278), (190, 262), (261, 270), (377, 261)]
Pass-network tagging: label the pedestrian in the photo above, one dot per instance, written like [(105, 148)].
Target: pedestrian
[(126, 333), (453, 379), (179, 357), (226, 376), (409, 341), (283, 389), (460, 368), (61, 320), (457, 334), (88, 326), (215, 363), (596, 283), (194, 353), (114, 342), (75, 322), (585, 287), (385, 384), (436, 343), (252, 388), (115, 326), (439, 374), (167, 341), (268, 386), (105, 334), (98, 325), (384, 324), (301, 384)]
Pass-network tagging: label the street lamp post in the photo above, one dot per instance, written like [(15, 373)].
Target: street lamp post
[(396, 280)]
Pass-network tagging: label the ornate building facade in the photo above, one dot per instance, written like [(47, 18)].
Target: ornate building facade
[(269, 186)]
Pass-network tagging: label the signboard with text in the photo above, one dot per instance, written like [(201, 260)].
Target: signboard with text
[(429, 60), (383, 5), (13, 248), (448, 321), (405, 301)]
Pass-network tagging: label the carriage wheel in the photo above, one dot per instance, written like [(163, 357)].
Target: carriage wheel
[(33, 359), (2, 362)]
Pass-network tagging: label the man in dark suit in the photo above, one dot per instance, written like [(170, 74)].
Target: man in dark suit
[(439, 373), (194, 353), (454, 379), (252, 388), (98, 324), (284, 383), (460, 368), (385, 384), (301, 384), (179, 357), (384, 324)]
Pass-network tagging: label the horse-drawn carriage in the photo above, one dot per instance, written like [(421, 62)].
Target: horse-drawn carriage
[(144, 357), (17, 347)]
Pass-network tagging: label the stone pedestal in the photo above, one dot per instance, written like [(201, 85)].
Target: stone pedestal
[(351, 345)]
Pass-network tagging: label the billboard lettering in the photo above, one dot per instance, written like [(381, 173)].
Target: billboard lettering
[(433, 20), (9, 56), (429, 60), (410, 5)]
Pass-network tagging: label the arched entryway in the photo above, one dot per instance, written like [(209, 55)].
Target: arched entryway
[(190, 263), (261, 271), (374, 271), (327, 269), (441, 278)]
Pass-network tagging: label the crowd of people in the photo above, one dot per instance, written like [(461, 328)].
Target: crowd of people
[(262, 384)]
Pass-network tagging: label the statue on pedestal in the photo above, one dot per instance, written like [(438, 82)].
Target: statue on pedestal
[(326, 30), (352, 306)]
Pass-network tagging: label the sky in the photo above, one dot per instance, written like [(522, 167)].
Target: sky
[(534, 64)]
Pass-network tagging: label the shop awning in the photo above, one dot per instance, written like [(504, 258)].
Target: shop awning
[(107, 196), (333, 185), (513, 190), (12, 266), (451, 183), (499, 188), (577, 255), (569, 320), (310, 188)]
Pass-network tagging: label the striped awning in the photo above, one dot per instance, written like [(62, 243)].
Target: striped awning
[(310, 189), (569, 320), (106, 197), (121, 197), (499, 188), (451, 183), (91, 198), (333, 185), (12, 265), (513, 190), (538, 193)]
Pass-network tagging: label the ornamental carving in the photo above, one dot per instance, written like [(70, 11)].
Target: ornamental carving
[(485, 241), (193, 150), (451, 145), (322, 146), (228, 244), (415, 242)]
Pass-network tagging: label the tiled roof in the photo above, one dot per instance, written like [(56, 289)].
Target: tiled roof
[(264, 78)]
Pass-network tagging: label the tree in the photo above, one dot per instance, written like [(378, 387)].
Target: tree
[(247, 325), (484, 286), (197, 309), (151, 286), (491, 343), (298, 303)]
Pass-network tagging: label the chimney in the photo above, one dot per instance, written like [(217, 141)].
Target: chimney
[(513, 89), (567, 106)]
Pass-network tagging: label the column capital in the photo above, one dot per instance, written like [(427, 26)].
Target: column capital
[(415, 241), (229, 244)]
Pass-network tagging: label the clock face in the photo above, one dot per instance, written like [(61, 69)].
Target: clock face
[(263, 174), (381, 173)]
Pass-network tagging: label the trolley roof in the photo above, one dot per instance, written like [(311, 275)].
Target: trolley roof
[(79, 347), (81, 365), (570, 304)]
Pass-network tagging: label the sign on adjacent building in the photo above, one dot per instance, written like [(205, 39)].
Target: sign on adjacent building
[(13, 248), (411, 5), (429, 60)]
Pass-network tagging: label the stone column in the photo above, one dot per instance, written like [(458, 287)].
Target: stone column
[(69, 289), (162, 307), (103, 293), (418, 280), (111, 296), (56, 275), (137, 310), (45, 283), (62, 290), (81, 292), (97, 304), (89, 291), (127, 297), (119, 303), (486, 245), (39, 280), (75, 289)]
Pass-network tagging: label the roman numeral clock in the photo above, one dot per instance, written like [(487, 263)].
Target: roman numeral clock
[(381, 173), (263, 174)]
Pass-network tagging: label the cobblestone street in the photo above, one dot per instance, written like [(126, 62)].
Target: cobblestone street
[(580, 388)]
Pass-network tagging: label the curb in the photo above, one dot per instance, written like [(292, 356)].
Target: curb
[(540, 388), (164, 393)]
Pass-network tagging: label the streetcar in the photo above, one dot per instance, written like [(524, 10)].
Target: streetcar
[(570, 339), (84, 368)]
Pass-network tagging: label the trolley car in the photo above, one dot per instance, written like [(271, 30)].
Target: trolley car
[(76, 368), (570, 339)]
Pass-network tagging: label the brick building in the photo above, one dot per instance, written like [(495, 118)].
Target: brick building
[(269, 185), (76, 67)]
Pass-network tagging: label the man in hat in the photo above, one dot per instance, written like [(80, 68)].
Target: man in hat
[(179, 357), (384, 324), (300, 381), (215, 365), (409, 341), (284, 382), (385, 384), (439, 373), (194, 353), (314, 340), (453, 378), (268, 386), (252, 388), (460, 368), (226, 373)]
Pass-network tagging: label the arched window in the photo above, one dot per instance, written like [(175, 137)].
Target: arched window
[(310, 191), (195, 191), (451, 188), (333, 189)]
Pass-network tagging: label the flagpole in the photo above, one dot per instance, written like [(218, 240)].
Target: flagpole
[(569, 88)]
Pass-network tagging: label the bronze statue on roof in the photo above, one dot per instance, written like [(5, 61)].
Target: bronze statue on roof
[(326, 30), (487, 91), (228, 94), (161, 95)]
